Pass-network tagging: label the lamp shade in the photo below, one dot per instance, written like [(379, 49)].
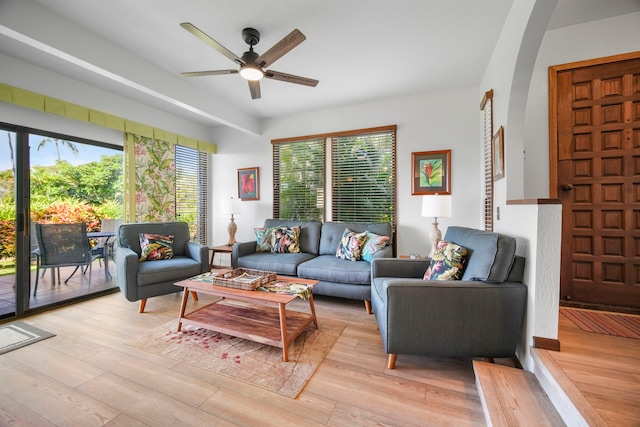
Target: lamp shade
[(437, 206), (231, 206)]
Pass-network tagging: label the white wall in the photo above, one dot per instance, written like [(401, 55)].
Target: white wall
[(508, 74), (433, 121)]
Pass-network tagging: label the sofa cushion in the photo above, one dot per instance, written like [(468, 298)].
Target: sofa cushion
[(447, 262), (309, 233), (285, 240), (373, 244), (490, 255), (350, 247), (175, 269), (331, 269), (155, 247), (286, 264)]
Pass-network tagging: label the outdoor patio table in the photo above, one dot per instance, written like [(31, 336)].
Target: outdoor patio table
[(108, 235)]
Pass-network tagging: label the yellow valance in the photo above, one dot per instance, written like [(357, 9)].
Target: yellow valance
[(47, 104)]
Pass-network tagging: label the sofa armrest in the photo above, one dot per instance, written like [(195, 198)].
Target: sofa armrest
[(127, 261), (198, 253), (241, 249), (399, 267)]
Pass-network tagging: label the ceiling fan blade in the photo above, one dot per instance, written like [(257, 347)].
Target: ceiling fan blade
[(254, 88), (208, 73), (290, 78), (211, 42), (293, 39)]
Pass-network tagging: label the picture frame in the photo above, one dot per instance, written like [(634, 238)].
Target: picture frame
[(249, 183), (498, 154), (431, 172)]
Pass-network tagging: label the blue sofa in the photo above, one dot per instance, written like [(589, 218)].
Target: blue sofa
[(141, 280), (480, 315), (317, 258)]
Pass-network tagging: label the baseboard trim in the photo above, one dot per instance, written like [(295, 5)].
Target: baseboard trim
[(546, 343)]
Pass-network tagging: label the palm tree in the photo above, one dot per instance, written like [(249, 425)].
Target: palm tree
[(59, 142)]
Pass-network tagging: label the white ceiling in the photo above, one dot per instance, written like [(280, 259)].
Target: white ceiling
[(359, 50)]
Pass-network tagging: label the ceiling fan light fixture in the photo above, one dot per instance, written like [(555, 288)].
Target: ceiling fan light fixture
[(252, 73)]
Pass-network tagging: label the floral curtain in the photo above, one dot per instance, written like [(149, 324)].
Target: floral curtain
[(150, 172)]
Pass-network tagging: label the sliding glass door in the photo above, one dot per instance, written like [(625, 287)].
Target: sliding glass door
[(53, 179)]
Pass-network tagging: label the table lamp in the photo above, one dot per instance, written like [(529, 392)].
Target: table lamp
[(231, 206), (437, 206)]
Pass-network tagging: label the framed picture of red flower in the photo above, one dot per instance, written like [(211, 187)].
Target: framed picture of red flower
[(249, 183), (431, 172)]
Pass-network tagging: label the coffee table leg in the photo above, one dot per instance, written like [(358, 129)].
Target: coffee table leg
[(283, 331), (313, 311), (185, 298)]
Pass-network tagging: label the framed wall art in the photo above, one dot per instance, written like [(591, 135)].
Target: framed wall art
[(498, 154), (249, 183), (431, 172)]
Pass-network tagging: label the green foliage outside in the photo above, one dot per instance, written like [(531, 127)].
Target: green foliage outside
[(64, 193), (364, 179), (302, 181)]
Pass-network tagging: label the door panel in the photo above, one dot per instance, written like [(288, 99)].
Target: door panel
[(598, 169)]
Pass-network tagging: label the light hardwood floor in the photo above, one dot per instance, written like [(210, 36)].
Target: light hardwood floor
[(87, 376)]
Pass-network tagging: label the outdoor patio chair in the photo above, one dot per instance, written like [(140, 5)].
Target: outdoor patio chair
[(62, 245)]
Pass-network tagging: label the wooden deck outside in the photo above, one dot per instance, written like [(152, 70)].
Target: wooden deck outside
[(49, 293)]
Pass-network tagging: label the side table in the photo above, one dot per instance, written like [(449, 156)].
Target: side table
[(224, 249)]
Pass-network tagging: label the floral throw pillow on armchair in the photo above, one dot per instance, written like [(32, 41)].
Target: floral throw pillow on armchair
[(447, 262), (155, 247)]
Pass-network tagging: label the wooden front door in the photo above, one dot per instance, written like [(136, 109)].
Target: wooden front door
[(596, 128)]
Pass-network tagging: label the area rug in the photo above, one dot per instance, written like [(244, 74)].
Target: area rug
[(257, 364), (620, 325), (19, 334)]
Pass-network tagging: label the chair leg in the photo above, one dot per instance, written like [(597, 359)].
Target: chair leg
[(35, 288), (194, 295), (367, 306), (74, 272), (391, 361), (143, 302)]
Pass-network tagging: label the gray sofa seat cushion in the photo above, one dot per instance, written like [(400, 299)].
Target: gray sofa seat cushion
[(286, 264), (490, 254), (309, 233), (332, 233), (331, 269), (174, 269)]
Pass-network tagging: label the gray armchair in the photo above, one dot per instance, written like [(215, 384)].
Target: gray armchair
[(141, 280), (480, 315)]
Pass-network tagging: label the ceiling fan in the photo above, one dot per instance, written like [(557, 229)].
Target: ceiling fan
[(251, 64)]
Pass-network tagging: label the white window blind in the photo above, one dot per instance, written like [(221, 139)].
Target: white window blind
[(299, 180), (364, 176), (192, 191), (487, 124)]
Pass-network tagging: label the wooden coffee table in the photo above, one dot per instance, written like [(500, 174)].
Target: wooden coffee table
[(265, 319)]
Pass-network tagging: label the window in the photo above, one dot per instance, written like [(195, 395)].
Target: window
[(487, 122), (361, 171), (191, 190), (299, 180), (363, 176)]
